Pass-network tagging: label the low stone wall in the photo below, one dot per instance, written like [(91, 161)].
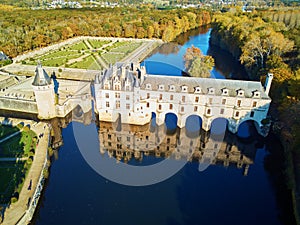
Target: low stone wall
[(19, 105)]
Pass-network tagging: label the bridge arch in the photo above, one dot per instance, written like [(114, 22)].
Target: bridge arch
[(247, 127), (193, 125)]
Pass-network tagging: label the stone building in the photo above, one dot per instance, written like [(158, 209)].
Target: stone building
[(127, 92)]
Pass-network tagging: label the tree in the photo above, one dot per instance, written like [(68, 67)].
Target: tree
[(197, 64)]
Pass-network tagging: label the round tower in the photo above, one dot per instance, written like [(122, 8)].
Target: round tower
[(43, 88)]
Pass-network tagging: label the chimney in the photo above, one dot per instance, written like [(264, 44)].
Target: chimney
[(268, 83)]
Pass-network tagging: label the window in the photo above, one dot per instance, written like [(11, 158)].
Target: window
[(119, 138), (168, 140), (106, 86), (254, 104), (147, 138), (182, 109), (128, 138), (183, 98), (109, 136), (210, 100), (117, 104), (106, 95), (107, 104), (109, 144), (148, 95), (127, 88), (127, 97), (223, 101), (148, 105), (237, 114), (161, 87), (159, 107), (160, 96), (216, 146), (117, 87), (252, 114), (197, 99), (208, 111), (171, 97), (117, 95), (171, 106), (222, 111), (238, 103), (195, 108), (148, 86), (127, 106)]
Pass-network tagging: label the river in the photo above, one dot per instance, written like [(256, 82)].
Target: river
[(234, 179)]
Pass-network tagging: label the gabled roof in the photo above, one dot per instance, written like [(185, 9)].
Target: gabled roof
[(41, 77)]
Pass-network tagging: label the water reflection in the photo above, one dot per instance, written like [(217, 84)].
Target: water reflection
[(149, 145)]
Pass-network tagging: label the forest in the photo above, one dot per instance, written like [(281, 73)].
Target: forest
[(269, 42), (23, 30)]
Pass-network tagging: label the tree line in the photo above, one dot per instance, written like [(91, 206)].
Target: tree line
[(22, 30)]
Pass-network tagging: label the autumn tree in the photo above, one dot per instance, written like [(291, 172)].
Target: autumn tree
[(197, 64)]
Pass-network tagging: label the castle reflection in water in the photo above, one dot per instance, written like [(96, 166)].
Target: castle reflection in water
[(129, 143)]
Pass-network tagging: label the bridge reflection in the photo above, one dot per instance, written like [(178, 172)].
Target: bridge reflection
[(131, 143)]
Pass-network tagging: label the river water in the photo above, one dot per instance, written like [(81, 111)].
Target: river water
[(225, 179)]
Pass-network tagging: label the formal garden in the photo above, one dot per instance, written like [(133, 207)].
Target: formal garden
[(91, 54), (16, 156)]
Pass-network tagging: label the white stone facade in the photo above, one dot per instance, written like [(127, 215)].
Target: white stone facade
[(128, 92)]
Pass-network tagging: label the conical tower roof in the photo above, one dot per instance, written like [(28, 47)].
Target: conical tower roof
[(41, 77)]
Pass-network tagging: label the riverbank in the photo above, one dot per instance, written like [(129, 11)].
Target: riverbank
[(16, 212)]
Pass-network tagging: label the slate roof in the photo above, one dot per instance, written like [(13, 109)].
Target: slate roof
[(205, 83), (41, 77)]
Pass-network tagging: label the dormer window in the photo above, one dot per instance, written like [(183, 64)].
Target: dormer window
[(211, 91), (240, 92), (256, 94), (161, 87), (184, 88), (197, 90), (172, 88), (148, 86), (225, 91)]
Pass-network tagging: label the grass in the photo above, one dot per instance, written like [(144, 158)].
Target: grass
[(78, 46), (98, 43), (60, 58), (112, 57), (19, 145), (126, 49), (87, 63), (12, 174), (7, 130)]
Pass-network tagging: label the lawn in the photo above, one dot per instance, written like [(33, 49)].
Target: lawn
[(128, 48), (19, 145), (78, 46), (7, 130), (87, 63), (12, 176), (112, 57), (98, 43)]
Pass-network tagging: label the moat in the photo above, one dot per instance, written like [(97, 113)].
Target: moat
[(224, 179)]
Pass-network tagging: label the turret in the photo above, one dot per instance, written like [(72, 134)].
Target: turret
[(44, 93), (268, 83)]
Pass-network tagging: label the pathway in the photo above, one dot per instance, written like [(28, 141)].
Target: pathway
[(98, 58), (15, 211)]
